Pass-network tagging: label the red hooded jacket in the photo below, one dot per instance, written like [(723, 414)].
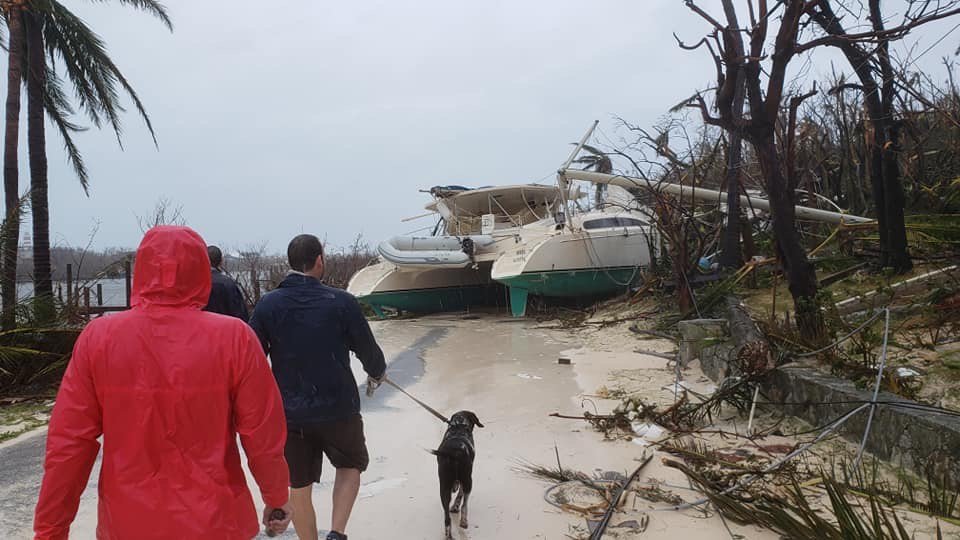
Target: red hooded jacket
[(169, 387)]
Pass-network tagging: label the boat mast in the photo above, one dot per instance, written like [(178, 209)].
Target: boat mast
[(703, 194), (565, 174), (562, 182)]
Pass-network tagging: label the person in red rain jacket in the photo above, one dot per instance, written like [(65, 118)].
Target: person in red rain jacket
[(169, 387)]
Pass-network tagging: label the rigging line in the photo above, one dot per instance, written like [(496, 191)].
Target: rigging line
[(599, 262), (913, 61), (876, 389), (747, 480), (843, 339)]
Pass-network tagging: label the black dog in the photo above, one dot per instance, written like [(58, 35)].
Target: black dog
[(455, 464)]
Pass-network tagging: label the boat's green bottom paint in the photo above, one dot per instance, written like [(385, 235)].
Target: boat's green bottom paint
[(436, 300), (567, 284)]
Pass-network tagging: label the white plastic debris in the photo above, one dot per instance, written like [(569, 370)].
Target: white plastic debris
[(647, 432), (529, 376), (906, 373)]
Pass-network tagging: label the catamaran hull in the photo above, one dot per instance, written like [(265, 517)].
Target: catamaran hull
[(574, 265), (425, 290)]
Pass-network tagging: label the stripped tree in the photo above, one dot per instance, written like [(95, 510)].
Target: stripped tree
[(868, 53), (734, 63)]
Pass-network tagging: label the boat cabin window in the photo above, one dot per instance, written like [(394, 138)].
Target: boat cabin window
[(612, 222)]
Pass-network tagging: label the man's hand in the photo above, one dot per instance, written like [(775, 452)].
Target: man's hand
[(276, 520), (374, 383)]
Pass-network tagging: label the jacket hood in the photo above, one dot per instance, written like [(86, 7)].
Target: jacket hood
[(172, 269)]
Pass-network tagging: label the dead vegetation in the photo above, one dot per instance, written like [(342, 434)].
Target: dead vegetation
[(805, 484)]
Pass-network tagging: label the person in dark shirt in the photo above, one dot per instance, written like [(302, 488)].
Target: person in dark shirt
[(308, 330), (225, 295)]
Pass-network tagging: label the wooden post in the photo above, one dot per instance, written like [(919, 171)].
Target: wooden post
[(127, 276), (99, 294), (86, 302), (69, 284)]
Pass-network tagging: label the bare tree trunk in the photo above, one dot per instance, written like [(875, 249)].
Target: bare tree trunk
[(746, 234), (899, 255), (11, 171), (882, 135), (684, 294), (731, 254), (760, 131), (799, 272), (875, 171), (36, 140), (887, 133), (674, 228)]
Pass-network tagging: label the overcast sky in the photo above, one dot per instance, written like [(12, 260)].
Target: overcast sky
[(290, 116)]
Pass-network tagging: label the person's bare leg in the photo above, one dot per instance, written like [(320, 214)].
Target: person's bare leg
[(304, 516), (345, 490)]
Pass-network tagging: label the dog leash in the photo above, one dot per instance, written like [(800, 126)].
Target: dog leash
[(428, 408)]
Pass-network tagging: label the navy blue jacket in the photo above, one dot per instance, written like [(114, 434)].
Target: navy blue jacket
[(225, 296), (308, 330)]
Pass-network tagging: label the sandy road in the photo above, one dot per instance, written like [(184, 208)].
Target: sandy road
[(504, 370)]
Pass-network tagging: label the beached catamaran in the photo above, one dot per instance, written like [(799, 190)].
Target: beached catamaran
[(450, 270), (499, 245)]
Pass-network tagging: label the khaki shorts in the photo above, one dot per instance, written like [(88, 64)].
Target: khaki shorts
[(341, 440)]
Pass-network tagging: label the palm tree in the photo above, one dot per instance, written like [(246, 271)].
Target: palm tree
[(600, 162), (13, 16), (36, 146), (56, 35)]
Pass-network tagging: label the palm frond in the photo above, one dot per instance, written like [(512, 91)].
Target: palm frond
[(59, 109), (6, 234), (136, 101), (152, 7), (3, 33), (84, 57), (11, 358), (792, 514), (89, 68), (49, 369), (598, 160)]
